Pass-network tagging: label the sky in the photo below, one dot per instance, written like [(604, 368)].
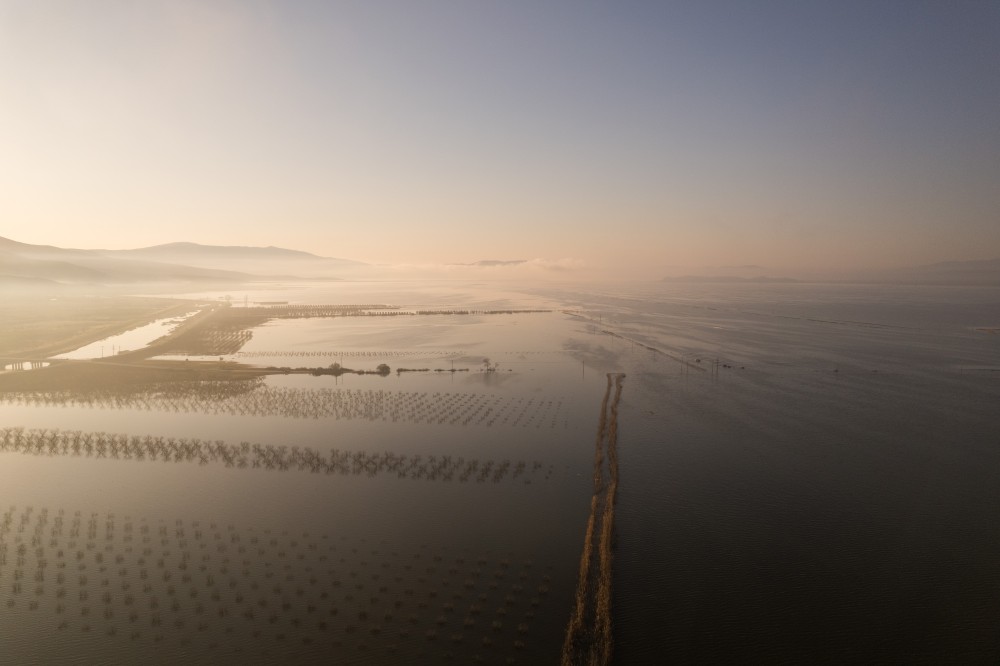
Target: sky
[(626, 137)]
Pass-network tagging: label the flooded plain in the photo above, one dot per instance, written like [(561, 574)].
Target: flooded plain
[(823, 491), (431, 513), (808, 473), (136, 338)]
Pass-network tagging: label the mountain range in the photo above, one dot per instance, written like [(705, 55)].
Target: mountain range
[(22, 264)]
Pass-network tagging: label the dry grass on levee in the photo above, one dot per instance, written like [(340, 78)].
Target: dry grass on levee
[(43, 325), (109, 375)]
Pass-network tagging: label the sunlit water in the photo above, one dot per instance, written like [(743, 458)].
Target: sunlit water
[(808, 474), (421, 516), (136, 338), (22, 366)]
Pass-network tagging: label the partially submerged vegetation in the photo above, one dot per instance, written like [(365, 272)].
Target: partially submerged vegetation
[(245, 455), (210, 588), (334, 369), (217, 329), (252, 397), (462, 611)]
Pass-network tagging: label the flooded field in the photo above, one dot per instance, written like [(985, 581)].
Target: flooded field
[(435, 512), (796, 474), (136, 338), (815, 484)]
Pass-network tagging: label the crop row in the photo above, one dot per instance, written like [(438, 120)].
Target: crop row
[(313, 310), (480, 409), (137, 579), (352, 354), (309, 311), (245, 455)]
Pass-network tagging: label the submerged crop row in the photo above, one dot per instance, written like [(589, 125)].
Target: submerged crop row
[(480, 409), (245, 455), (352, 354), (187, 582)]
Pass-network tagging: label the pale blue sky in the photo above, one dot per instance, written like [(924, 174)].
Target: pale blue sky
[(787, 134)]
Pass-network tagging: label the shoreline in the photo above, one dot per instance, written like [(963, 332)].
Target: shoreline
[(97, 331)]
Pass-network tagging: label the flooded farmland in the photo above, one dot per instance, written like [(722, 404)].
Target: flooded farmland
[(797, 466), (434, 512)]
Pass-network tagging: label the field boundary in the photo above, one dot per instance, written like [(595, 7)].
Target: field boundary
[(589, 633)]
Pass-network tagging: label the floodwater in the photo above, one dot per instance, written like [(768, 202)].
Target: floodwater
[(808, 474), (829, 497), (421, 516), (136, 338), (20, 367)]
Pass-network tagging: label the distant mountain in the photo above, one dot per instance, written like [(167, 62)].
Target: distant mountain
[(45, 263), (171, 251), (273, 261), (22, 263)]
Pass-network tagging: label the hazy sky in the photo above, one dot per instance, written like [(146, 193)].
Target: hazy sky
[(639, 134)]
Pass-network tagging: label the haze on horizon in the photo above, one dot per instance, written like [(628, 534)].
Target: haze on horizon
[(592, 136)]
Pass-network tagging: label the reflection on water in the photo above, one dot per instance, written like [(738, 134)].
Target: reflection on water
[(246, 455), (26, 365), (122, 587), (826, 499), (234, 398), (136, 338), (807, 474), (423, 517)]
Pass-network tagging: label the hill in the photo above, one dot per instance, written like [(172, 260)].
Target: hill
[(24, 264), (268, 260)]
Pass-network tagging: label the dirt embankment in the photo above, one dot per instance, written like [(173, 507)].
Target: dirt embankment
[(96, 375), (589, 633), (189, 334)]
